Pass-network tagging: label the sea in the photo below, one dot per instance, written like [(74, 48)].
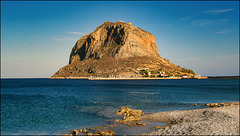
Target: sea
[(56, 106)]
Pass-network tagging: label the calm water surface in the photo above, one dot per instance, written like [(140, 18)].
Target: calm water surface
[(55, 106)]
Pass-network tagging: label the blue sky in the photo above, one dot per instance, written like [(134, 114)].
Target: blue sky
[(37, 37)]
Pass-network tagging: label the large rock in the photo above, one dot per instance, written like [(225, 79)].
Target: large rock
[(115, 40), (115, 50)]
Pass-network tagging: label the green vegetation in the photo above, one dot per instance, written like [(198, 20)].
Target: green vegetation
[(185, 70), (153, 72), (143, 71), (168, 73)]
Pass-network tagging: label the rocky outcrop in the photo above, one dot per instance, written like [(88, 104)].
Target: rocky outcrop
[(130, 116), (115, 50), (114, 40)]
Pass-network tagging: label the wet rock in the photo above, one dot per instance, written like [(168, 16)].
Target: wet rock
[(215, 105), (222, 104), (67, 135), (113, 125), (97, 132), (104, 132), (118, 121), (84, 131), (75, 133), (195, 104), (208, 104), (89, 134), (130, 125), (107, 132), (140, 124), (130, 115), (159, 127)]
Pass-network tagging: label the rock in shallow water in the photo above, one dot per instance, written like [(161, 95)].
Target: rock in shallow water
[(130, 115)]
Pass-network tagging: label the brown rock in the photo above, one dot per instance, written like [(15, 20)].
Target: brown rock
[(96, 132), (89, 134), (67, 135), (113, 125), (208, 104), (83, 131), (129, 114), (160, 127), (75, 132), (117, 121), (140, 124), (111, 50), (130, 125), (114, 40), (107, 132)]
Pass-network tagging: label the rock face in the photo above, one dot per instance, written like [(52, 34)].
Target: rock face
[(115, 50), (114, 40)]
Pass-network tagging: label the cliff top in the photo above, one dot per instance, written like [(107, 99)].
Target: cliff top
[(120, 23)]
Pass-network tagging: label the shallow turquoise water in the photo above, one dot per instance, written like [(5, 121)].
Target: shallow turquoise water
[(55, 106)]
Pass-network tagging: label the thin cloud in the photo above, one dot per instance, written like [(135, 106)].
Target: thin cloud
[(217, 11), (222, 32), (208, 22), (62, 39), (75, 33)]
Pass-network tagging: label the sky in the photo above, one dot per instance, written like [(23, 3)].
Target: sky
[(37, 37)]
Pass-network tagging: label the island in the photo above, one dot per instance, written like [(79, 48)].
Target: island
[(119, 51)]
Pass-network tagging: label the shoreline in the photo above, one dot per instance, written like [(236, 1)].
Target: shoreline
[(145, 78), (138, 78), (208, 121)]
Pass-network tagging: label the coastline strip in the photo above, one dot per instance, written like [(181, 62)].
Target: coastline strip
[(138, 78), (209, 121)]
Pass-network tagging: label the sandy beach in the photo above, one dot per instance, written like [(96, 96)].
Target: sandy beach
[(209, 121)]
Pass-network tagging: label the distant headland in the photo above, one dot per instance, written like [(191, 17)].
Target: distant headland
[(119, 50)]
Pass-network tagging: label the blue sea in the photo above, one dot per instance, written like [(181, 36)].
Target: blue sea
[(57, 106)]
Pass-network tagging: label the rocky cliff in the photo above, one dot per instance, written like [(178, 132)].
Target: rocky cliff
[(115, 49), (114, 40)]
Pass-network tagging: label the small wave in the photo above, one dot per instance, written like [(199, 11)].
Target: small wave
[(143, 93)]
